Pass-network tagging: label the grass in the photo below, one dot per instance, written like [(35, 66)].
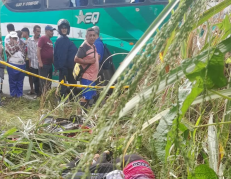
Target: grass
[(14, 108)]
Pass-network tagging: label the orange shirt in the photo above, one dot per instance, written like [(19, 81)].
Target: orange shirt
[(87, 51)]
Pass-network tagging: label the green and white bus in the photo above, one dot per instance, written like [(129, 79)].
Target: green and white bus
[(121, 22)]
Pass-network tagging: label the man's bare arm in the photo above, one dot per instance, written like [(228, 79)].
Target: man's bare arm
[(39, 57), (85, 61)]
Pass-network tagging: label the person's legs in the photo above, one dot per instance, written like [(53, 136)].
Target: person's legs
[(71, 80), (20, 84), (19, 81), (30, 78), (45, 71), (36, 81), (63, 75), (50, 76), (1, 77), (87, 93), (1, 81), (12, 81), (31, 84)]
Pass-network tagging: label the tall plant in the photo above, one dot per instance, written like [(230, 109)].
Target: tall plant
[(150, 84)]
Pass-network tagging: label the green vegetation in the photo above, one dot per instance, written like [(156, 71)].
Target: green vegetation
[(17, 108), (176, 112)]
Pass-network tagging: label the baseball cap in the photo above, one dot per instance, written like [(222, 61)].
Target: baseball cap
[(13, 34), (138, 169), (48, 27)]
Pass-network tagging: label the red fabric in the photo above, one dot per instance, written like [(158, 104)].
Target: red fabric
[(46, 50), (138, 168)]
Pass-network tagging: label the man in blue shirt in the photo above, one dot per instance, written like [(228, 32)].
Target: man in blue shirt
[(98, 44)]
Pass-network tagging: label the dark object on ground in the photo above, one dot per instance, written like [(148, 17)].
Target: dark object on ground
[(98, 170), (61, 124)]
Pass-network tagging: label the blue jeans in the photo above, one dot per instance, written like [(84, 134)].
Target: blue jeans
[(88, 93), (16, 79)]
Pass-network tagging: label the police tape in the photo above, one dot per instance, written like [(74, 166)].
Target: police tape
[(55, 81)]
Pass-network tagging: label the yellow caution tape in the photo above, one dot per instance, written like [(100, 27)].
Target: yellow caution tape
[(55, 81)]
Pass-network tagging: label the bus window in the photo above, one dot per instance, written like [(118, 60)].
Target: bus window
[(105, 2), (23, 4), (57, 4), (77, 3)]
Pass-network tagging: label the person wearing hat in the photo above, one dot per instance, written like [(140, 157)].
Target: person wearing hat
[(15, 57), (45, 58), (64, 54), (135, 167)]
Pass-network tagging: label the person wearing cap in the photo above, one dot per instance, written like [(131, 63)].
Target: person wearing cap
[(87, 56), (64, 54), (45, 58), (26, 36), (32, 46), (16, 58), (135, 167)]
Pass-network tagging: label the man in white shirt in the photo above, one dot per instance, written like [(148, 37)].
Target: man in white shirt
[(32, 45)]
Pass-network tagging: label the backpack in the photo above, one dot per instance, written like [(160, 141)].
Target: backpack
[(106, 62)]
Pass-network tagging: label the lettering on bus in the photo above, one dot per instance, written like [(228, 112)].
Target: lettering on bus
[(89, 17), (32, 3)]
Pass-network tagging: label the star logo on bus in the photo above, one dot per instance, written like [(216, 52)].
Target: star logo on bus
[(80, 34), (80, 17)]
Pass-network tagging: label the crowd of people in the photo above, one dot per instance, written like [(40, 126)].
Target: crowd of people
[(38, 55)]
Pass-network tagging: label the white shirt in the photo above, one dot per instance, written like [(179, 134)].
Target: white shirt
[(32, 52)]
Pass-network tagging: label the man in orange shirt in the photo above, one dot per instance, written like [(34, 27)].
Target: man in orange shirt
[(88, 57)]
